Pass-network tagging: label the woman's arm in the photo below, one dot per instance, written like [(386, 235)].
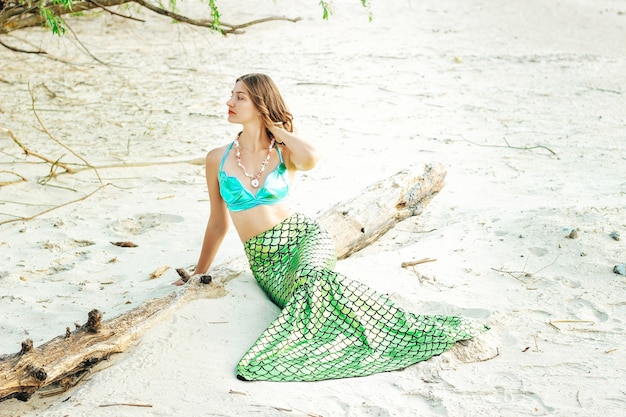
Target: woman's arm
[(302, 154), (217, 226)]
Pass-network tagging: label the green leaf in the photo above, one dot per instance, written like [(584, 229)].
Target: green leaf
[(327, 9), (54, 22), (65, 3), (215, 15)]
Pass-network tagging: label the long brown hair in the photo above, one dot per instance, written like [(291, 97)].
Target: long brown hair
[(268, 100)]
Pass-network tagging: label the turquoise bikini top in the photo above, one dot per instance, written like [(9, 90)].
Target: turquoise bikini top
[(275, 189)]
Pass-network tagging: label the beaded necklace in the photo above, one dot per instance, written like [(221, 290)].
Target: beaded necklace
[(254, 179)]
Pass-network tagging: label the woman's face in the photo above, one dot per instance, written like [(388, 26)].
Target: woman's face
[(240, 107)]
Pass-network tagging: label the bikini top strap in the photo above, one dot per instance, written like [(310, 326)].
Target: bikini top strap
[(225, 155), (280, 154)]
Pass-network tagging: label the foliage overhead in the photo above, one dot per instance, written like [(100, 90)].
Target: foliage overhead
[(17, 14)]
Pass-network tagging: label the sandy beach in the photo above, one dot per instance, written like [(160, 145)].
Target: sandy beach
[(524, 103)]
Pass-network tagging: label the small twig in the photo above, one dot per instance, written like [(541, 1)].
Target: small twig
[(70, 383), (604, 90), (69, 170), (552, 322), (24, 51), (195, 161), (56, 186), (309, 414), (53, 208), (525, 148), (523, 272), (422, 278), (115, 13), (547, 266), (286, 410), (512, 273), (52, 173), (41, 52), (21, 179), (234, 28), (126, 405), (43, 126), (419, 261), (36, 155), (82, 45), (611, 332), (529, 148)]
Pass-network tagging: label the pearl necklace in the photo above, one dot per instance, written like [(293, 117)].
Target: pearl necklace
[(254, 179)]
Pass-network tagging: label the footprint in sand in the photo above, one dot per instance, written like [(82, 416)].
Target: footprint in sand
[(538, 252), (510, 389), (567, 281), (142, 223), (585, 310)]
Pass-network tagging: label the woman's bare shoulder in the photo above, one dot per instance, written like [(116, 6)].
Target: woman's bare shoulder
[(215, 155)]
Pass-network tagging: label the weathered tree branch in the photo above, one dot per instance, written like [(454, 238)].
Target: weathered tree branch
[(358, 222), (223, 27), (15, 16), (103, 7), (353, 224)]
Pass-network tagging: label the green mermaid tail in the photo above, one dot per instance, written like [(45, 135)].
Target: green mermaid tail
[(331, 326)]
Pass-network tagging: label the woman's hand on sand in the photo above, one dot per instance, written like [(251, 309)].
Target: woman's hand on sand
[(202, 278), (179, 282), (184, 277)]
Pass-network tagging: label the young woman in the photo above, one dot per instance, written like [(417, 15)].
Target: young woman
[(329, 326)]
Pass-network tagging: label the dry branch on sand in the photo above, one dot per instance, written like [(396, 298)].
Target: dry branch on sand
[(353, 224)]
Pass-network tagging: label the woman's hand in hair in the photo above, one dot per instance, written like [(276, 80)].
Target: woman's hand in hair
[(301, 154)]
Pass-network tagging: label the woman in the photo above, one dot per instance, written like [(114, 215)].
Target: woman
[(329, 326)]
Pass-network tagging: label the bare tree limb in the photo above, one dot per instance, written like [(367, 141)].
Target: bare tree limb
[(18, 16), (115, 13), (224, 27)]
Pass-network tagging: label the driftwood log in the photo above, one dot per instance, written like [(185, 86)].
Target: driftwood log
[(353, 224)]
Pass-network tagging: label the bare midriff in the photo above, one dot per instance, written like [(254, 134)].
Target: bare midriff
[(259, 219)]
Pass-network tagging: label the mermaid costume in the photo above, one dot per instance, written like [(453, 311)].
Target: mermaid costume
[(330, 326)]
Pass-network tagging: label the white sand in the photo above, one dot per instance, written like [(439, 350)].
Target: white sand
[(523, 102)]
